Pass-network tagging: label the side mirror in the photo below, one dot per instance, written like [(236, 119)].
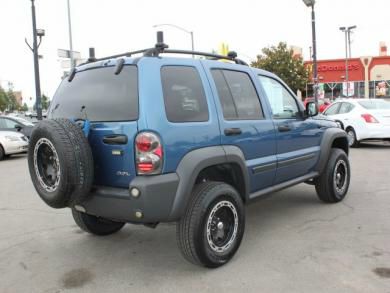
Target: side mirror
[(311, 109), (18, 127)]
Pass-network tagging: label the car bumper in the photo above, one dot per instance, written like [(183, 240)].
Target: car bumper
[(375, 131), (16, 147), (153, 204)]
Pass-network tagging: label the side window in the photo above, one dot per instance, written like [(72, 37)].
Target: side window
[(10, 123), (237, 94), (283, 104), (184, 96), (333, 110), (2, 123), (346, 108)]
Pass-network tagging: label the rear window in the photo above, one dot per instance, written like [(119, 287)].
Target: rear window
[(184, 96), (101, 94), (375, 104)]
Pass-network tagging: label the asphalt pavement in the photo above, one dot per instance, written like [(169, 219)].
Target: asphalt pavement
[(292, 243)]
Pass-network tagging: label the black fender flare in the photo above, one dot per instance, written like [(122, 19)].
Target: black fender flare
[(328, 138), (194, 162)]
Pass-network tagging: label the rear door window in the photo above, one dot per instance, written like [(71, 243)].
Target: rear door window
[(98, 95), (184, 95), (237, 94), (346, 108), (333, 110)]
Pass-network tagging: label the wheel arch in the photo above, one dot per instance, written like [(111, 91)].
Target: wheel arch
[(208, 163), (332, 138)]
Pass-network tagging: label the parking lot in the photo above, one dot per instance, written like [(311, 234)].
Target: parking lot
[(292, 243)]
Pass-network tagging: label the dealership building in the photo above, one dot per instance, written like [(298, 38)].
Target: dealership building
[(368, 77)]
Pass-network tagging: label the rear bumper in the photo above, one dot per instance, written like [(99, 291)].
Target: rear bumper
[(154, 203), (375, 131), (16, 147)]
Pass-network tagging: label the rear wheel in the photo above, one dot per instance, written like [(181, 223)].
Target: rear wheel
[(96, 225), (352, 139), (211, 231)]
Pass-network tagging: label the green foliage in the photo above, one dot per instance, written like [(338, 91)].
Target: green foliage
[(24, 107), (3, 100), (280, 60), (12, 103), (45, 102)]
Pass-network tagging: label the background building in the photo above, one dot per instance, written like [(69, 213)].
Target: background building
[(369, 77)]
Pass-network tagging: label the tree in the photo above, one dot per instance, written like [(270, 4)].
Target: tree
[(24, 107), (12, 103), (281, 61), (45, 102), (3, 100)]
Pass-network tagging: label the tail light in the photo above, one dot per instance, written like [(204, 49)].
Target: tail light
[(369, 118), (148, 154)]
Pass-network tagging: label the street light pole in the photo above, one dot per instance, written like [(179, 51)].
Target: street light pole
[(311, 3), (347, 31), (72, 61), (191, 33), (38, 102)]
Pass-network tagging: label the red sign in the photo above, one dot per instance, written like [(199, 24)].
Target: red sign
[(324, 68)]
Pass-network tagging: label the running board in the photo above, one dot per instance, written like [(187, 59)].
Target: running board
[(283, 185)]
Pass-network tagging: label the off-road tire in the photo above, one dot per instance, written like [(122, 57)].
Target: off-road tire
[(326, 184), (96, 225), (74, 159), (192, 228)]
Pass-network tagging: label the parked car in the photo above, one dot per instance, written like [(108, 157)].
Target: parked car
[(153, 139), (13, 123), (362, 119), (12, 143)]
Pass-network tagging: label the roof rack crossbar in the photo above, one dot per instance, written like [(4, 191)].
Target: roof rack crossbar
[(127, 54), (213, 56)]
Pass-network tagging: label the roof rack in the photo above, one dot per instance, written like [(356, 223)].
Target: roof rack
[(162, 48)]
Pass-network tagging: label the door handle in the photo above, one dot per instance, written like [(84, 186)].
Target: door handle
[(232, 131), (115, 139), (284, 128)]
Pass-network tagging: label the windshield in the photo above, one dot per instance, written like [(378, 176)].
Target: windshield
[(98, 95), (23, 121), (375, 104)]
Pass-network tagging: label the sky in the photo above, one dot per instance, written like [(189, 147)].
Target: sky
[(116, 26)]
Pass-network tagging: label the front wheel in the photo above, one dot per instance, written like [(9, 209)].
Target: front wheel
[(332, 185), (96, 225), (212, 228)]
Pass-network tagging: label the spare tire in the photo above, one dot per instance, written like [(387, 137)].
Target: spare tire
[(60, 163)]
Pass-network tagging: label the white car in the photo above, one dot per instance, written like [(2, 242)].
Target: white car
[(12, 143), (362, 119)]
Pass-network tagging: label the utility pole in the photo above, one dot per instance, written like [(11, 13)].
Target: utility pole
[(38, 102), (347, 32), (72, 61), (311, 3)]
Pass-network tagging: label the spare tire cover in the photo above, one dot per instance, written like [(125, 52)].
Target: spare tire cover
[(60, 162)]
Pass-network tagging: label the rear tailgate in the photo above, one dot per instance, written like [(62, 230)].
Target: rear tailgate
[(110, 102), (382, 115)]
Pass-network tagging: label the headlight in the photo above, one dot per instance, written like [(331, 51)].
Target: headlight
[(12, 138)]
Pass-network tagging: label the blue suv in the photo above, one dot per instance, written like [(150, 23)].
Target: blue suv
[(148, 138)]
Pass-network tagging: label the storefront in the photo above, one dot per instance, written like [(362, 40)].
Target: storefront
[(368, 77)]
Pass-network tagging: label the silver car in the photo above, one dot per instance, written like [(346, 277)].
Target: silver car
[(12, 143)]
